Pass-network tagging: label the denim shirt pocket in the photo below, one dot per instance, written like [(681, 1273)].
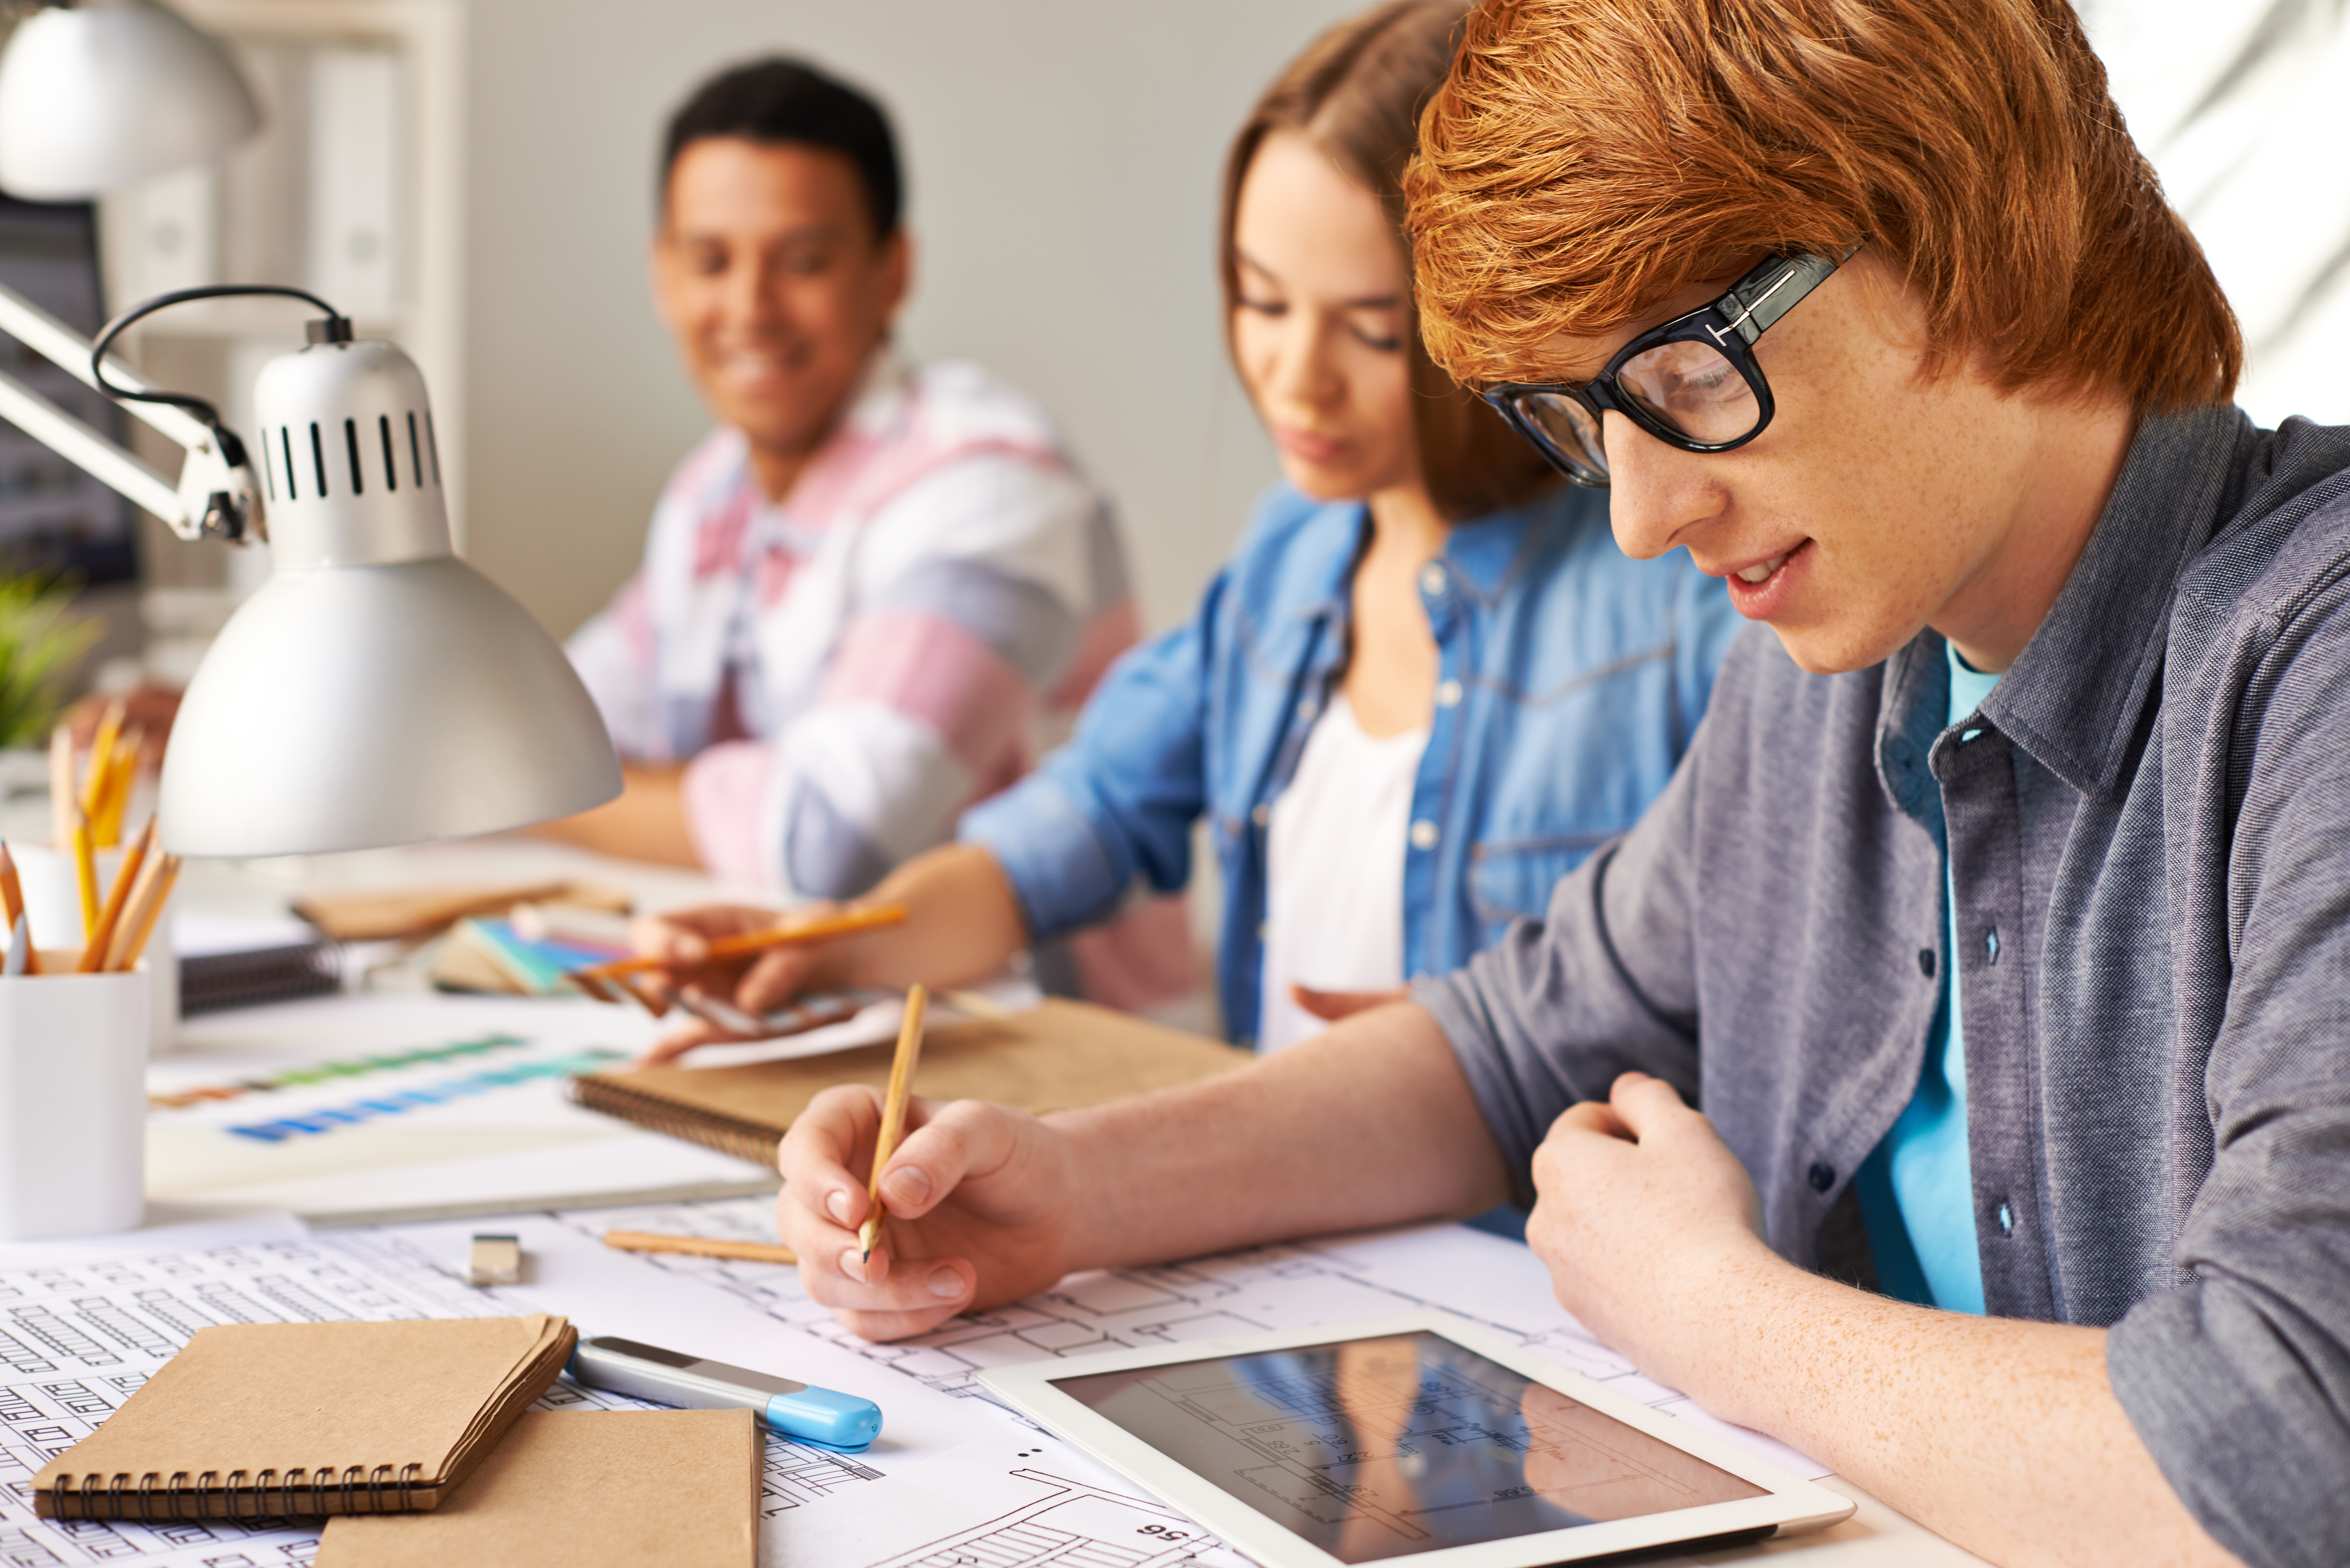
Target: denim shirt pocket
[(1510, 880)]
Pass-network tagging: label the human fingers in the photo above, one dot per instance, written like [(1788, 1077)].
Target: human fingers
[(814, 1159), (1332, 1005), (950, 1145), (913, 1298), (1592, 1116), (775, 978), (1648, 1106), (682, 937)]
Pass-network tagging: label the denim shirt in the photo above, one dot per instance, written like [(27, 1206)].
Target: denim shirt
[(1570, 681), (2147, 828)]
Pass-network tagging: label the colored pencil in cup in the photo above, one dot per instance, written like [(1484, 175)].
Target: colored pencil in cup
[(85, 856), (109, 919), (138, 922), (12, 903), (893, 1113)]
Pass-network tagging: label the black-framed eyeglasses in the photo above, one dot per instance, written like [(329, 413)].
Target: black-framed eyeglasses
[(1693, 383)]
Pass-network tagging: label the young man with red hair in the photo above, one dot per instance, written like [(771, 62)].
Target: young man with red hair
[(1991, 949)]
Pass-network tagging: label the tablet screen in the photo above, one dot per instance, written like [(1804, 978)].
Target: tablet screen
[(1381, 1447)]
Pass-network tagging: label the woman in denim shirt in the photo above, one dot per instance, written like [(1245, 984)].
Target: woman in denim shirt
[(1440, 649)]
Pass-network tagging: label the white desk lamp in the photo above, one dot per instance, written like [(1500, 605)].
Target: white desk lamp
[(376, 690)]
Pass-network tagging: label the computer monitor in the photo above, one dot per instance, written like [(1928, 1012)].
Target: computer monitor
[(56, 520)]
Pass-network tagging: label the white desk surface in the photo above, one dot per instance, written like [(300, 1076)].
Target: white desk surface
[(357, 1157)]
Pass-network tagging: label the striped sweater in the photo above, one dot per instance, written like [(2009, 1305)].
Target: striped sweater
[(845, 671)]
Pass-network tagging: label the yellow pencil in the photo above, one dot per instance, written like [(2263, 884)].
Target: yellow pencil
[(86, 873), (101, 756), (893, 1113)]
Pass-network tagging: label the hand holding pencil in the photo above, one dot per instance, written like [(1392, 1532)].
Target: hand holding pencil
[(726, 965)]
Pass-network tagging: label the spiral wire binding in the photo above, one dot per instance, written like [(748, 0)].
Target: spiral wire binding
[(152, 1498)]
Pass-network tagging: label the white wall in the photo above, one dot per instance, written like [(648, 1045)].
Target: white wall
[(1061, 157)]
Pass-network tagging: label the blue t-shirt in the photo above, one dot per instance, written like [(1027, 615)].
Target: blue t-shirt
[(1916, 1191)]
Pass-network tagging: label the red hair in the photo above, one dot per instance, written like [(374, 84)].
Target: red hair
[(1588, 160)]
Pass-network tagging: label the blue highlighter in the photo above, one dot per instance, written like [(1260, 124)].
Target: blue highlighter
[(666, 1377)]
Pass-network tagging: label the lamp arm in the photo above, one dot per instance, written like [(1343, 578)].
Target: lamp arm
[(61, 345), (91, 449), (214, 499)]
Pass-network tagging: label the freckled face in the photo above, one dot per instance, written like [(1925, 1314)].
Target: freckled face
[(1317, 327), (1875, 503)]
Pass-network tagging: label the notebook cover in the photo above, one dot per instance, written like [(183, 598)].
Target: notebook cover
[(571, 1489), (278, 1420), (1055, 1057)]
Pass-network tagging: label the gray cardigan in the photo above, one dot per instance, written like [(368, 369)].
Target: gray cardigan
[(2149, 835)]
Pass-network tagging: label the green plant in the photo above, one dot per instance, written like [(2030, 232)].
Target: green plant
[(41, 641)]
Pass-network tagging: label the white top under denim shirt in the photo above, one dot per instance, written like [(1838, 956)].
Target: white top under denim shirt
[(1570, 681), (1335, 860)]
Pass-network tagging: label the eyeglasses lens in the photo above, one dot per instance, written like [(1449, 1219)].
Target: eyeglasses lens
[(1690, 387), (1567, 428)]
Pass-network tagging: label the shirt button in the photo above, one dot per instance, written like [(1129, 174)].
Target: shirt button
[(1925, 962), (1305, 708), (1423, 835), (1261, 928), (1448, 694), (1260, 814), (1431, 578), (1991, 943), (1822, 1175), (2006, 1220)]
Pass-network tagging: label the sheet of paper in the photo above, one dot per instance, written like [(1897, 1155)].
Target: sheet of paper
[(1498, 1284), (1018, 1499)]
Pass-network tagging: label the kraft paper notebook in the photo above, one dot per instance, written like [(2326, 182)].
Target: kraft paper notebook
[(1053, 1057), (295, 1419), (585, 1489)]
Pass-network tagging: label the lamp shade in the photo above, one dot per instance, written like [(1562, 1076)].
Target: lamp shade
[(376, 690), (110, 92)]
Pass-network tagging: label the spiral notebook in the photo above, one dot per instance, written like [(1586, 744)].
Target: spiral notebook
[(573, 1487), (275, 1420)]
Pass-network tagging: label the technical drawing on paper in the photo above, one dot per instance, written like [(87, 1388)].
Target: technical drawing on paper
[(1263, 1289), (1074, 1525)]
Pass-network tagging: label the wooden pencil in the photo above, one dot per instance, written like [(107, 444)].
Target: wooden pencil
[(893, 1113), (109, 919), (699, 1246), (146, 906), (101, 757), (847, 922), (12, 895), (84, 872)]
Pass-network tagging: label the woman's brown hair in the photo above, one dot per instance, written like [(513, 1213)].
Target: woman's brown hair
[(1588, 160), (1356, 94)]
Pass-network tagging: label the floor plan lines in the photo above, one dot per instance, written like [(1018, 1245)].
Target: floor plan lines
[(1074, 1525)]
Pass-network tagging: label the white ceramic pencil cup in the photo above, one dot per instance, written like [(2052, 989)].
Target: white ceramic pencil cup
[(73, 1103), (53, 910)]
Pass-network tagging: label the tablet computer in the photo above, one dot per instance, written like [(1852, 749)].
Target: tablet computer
[(1417, 1440)]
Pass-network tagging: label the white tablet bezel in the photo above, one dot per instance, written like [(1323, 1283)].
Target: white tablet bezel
[(1788, 1505)]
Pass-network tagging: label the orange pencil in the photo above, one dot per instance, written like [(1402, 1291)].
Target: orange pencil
[(12, 900), (893, 1113), (816, 931), (110, 919)]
